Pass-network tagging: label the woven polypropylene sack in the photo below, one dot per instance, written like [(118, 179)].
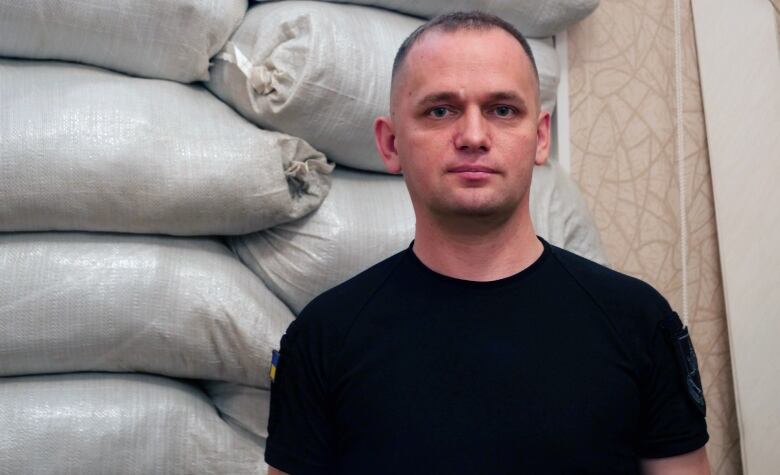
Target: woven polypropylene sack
[(171, 39), (241, 406), (560, 215), (91, 150), (322, 72), (534, 18), (180, 307), (117, 424), (367, 217)]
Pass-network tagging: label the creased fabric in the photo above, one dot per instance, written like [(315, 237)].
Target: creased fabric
[(241, 406), (171, 39), (180, 307), (86, 149), (534, 18), (97, 423)]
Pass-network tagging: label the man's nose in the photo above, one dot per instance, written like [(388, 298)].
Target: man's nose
[(472, 134)]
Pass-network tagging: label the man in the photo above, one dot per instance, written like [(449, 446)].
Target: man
[(481, 349)]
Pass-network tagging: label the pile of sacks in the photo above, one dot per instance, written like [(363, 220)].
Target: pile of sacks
[(166, 208)]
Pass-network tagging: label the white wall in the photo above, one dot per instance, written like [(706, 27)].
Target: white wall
[(739, 65)]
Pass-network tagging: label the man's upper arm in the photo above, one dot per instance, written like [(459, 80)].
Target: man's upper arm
[(692, 463), (673, 422), (299, 424), (275, 471)]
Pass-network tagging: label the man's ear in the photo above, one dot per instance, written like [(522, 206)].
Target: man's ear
[(542, 138), (384, 135)]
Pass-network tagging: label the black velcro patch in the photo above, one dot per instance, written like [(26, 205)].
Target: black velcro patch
[(685, 356)]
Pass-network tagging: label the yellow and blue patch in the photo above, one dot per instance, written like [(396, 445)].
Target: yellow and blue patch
[(274, 364)]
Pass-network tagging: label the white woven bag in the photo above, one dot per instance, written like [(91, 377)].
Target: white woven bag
[(91, 150), (171, 39)]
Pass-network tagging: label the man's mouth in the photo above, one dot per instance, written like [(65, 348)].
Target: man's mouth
[(473, 172)]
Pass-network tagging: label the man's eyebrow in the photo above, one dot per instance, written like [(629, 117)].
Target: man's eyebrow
[(507, 96), (437, 97), (510, 97)]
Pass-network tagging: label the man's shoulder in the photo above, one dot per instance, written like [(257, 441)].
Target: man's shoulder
[(620, 296), (352, 293), (332, 312)]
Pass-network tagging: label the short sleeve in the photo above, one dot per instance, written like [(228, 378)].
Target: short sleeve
[(672, 422), (299, 424)]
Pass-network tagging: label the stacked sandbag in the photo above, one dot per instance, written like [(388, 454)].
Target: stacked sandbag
[(365, 218), (171, 39), (368, 217), (179, 307), (245, 407), (93, 150), (534, 18), (560, 214), (96, 424), (322, 72)]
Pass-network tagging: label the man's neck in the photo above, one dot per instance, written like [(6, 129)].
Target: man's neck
[(479, 250)]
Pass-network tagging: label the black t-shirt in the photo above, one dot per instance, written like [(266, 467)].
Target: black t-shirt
[(561, 368)]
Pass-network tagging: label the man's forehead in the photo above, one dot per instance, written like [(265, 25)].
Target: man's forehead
[(440, 58), (465, 44)]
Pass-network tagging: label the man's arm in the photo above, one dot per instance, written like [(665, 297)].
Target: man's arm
[(692, 463), (299, 422), (275, 471)]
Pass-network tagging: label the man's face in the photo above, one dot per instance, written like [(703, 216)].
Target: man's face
[(465, 128)]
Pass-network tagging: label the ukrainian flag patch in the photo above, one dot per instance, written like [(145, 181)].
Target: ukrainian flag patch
[(274, 364)]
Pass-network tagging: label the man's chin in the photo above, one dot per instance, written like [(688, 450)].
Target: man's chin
[(475, 211)]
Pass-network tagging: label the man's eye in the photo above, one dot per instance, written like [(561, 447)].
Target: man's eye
[(504, 111), (438, 112)]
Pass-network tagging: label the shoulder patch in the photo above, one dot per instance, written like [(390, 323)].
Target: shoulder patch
[(685, 356), (274, 364)]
